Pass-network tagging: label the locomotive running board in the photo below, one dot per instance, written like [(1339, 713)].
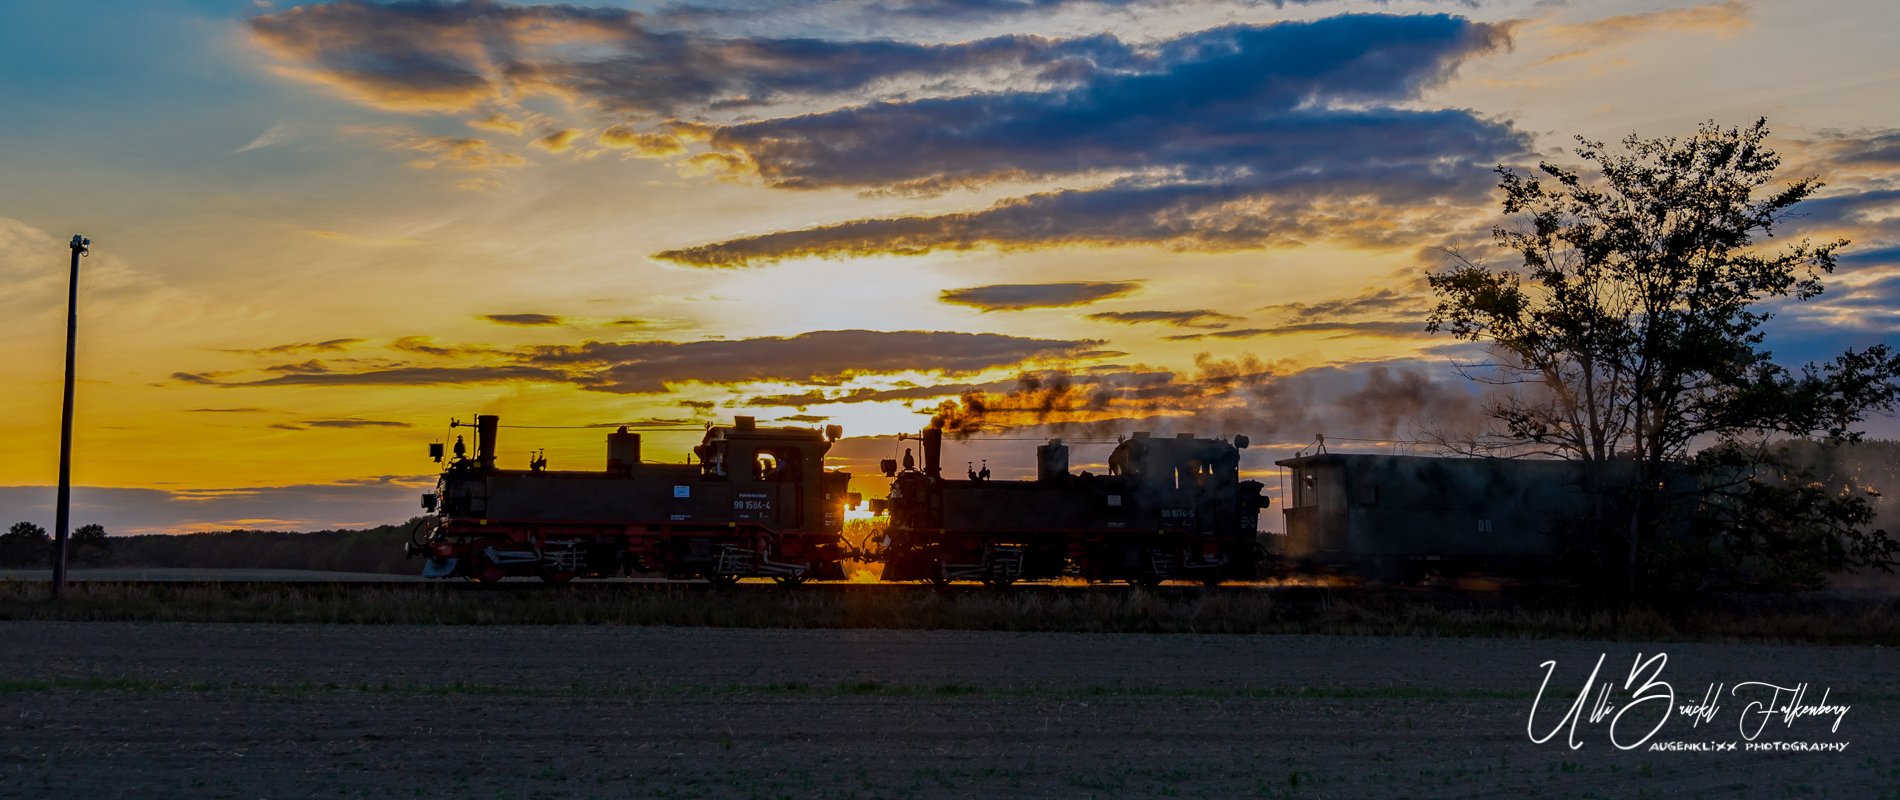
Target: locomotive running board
[(1003, 562), (510, 556), (730, 557)]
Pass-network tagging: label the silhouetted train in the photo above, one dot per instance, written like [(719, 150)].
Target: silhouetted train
[(759, 503), (1168, 509), (1403, 519)]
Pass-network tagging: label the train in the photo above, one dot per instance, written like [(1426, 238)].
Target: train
[(1168, 509), (753, 502), (1396, 520), (757, 502)]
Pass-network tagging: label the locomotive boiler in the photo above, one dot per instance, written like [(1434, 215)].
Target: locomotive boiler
[(753, 502), (1168, 509)]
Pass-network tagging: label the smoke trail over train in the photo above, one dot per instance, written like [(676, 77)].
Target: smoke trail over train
[(1244, 395)]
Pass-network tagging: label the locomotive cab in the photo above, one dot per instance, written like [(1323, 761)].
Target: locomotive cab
[(1183, 483), (773, 476)]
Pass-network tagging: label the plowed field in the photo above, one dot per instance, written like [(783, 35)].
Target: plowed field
[(102, 710)]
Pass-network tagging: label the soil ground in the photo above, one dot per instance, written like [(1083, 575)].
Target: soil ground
[(103, 710)]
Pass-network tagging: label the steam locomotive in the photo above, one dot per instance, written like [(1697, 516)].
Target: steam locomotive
[(1167, 509), (758, 502)]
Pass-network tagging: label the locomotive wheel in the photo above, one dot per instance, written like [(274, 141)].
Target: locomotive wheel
[(788, 580), (1211, 582), (556, 576), (721, 581), (1145, 581), (481, 570)]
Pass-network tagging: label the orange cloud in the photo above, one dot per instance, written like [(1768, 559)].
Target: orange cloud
[(498, 122), (447, 93), (646, 145), (1723, 21), (558, 141), (448, 151), (721, 165)]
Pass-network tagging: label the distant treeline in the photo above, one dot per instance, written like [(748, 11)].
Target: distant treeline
[(378, 549)]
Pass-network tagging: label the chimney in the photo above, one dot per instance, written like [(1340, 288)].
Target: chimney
[(933, 452), (623, 452), (1052, 462), (485, 428)]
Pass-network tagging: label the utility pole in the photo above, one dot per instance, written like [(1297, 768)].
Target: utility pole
[(63, 516)]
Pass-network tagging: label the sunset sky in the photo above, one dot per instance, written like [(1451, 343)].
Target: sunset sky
[(322, 231)]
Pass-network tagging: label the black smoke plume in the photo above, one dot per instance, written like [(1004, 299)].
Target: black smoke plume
[(1387, 402)]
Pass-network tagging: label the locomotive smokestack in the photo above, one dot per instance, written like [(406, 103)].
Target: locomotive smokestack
[(1052, 462), (623, 452), (485, 428), (933, 452)]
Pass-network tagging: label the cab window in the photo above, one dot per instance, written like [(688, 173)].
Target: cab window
[(777, 464)]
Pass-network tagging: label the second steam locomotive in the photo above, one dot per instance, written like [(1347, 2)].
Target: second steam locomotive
[(1167, 509), (757, 502)]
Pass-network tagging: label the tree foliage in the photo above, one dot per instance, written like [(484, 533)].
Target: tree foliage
[(24, 545), (378, 549), (89, 546), (1632, 330), (28, 545)]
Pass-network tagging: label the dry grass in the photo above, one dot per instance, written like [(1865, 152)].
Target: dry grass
[(1811, 619)]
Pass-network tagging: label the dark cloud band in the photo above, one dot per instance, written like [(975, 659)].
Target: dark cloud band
[(1381, 330), (1023, 296), (1226, 139), (523, 319), (818, 357), (1198, 318), (461, 56)]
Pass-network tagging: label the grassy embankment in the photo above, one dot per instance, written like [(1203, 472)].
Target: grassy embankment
[(1811, 619)]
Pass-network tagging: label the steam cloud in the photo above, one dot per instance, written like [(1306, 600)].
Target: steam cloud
[(1385, 402)]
